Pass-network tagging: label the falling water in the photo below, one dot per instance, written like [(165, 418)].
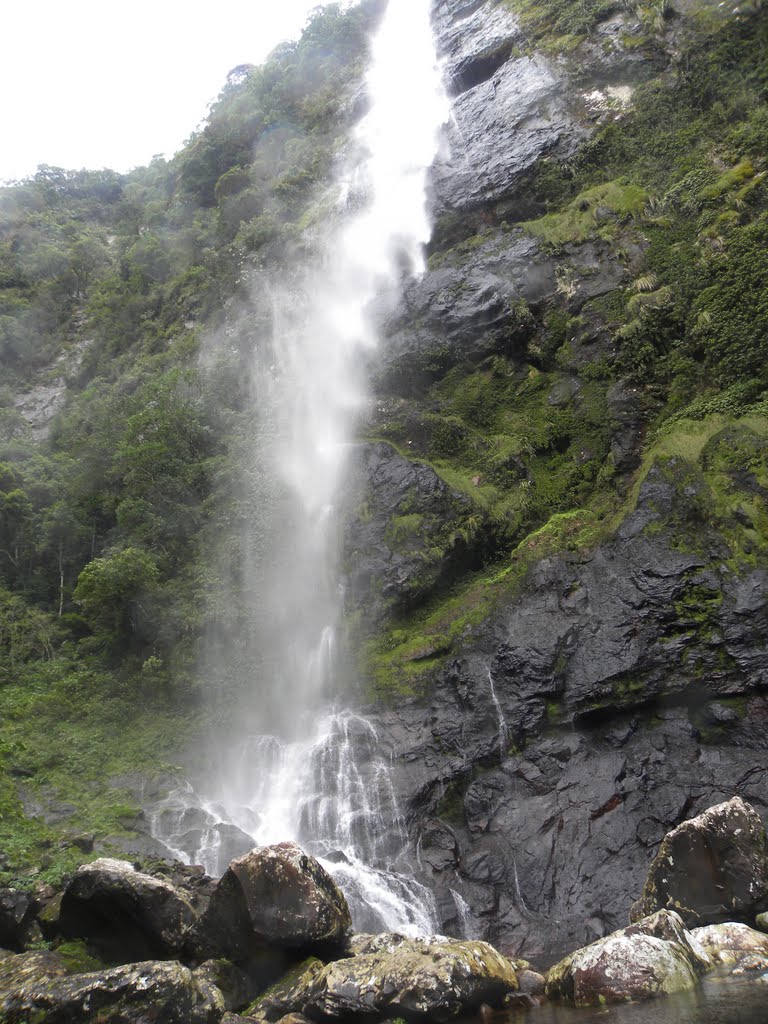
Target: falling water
[(464, 912), (312, 771), (503, 728)]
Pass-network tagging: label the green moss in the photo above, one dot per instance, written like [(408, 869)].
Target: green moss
[(403, 530), (597, 210), (66, 731), (286, 982), (702, 459), (558, 26), (737, 175), (77, 957), (404, 658)]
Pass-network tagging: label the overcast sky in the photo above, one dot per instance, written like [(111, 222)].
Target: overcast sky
[(88, 83)]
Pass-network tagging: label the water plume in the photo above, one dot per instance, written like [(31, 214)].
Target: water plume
[(309, 768)]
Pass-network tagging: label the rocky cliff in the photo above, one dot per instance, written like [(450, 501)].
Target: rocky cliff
[(561, 563)]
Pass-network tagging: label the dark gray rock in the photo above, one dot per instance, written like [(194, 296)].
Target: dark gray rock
[(711, 869), (602, 738), (237, 988), (501, 122), (475, 37), (127, 914), (17, 918)]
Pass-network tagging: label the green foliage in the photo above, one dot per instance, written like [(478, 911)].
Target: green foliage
[(110, 590), (560, 24), (597, 210)]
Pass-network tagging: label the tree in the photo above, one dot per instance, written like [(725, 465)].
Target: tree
[(110, 591)]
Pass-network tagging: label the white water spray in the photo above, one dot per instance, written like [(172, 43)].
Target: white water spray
[(312, 772)]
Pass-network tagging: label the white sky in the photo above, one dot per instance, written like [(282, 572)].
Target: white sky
[(89, 83)]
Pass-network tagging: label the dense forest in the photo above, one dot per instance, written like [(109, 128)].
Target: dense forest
[(129, 308)]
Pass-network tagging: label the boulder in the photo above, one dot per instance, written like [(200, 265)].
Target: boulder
[(276, 897), (761, 922), (17, 918), (33, 988), (751, 963), (653, 957), (49, 916), (711, 869), (531, 983), (129, 916), (731, 942), (236, 987), (436, 979), (289, 992)]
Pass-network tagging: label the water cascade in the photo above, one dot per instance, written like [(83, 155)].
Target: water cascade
[(310, 769)]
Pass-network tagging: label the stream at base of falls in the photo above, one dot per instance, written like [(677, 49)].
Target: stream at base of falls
[(721, 998)]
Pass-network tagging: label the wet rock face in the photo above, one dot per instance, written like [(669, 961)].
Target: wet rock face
[(126, 914), (653, 957), (33, 987), (619, 694), (508, 111), (275, 896), (712, 868), (413, 978)]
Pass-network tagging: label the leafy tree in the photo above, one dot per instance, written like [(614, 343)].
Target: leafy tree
[(110, 591)]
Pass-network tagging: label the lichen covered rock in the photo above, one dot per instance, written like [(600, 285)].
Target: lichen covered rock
[(33, 988), (729, 943), (410, 978), (711, 869), (656, 956)]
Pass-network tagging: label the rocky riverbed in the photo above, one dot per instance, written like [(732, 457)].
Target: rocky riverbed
[(271, 941)]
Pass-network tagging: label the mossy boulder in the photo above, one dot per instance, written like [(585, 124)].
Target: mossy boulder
[(731, 942), (416, 979)]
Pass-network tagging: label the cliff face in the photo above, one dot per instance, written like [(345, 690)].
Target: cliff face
[(569, 646)]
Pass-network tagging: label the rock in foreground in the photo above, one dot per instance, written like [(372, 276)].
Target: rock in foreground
[(412, 978), (275, 896), (656, 956), (33, 989), (711, 869), (732, 942), (130, 916)]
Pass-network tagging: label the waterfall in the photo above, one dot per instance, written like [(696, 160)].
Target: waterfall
[(312, 770)]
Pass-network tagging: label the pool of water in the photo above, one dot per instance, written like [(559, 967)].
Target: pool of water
[(722, 998)]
